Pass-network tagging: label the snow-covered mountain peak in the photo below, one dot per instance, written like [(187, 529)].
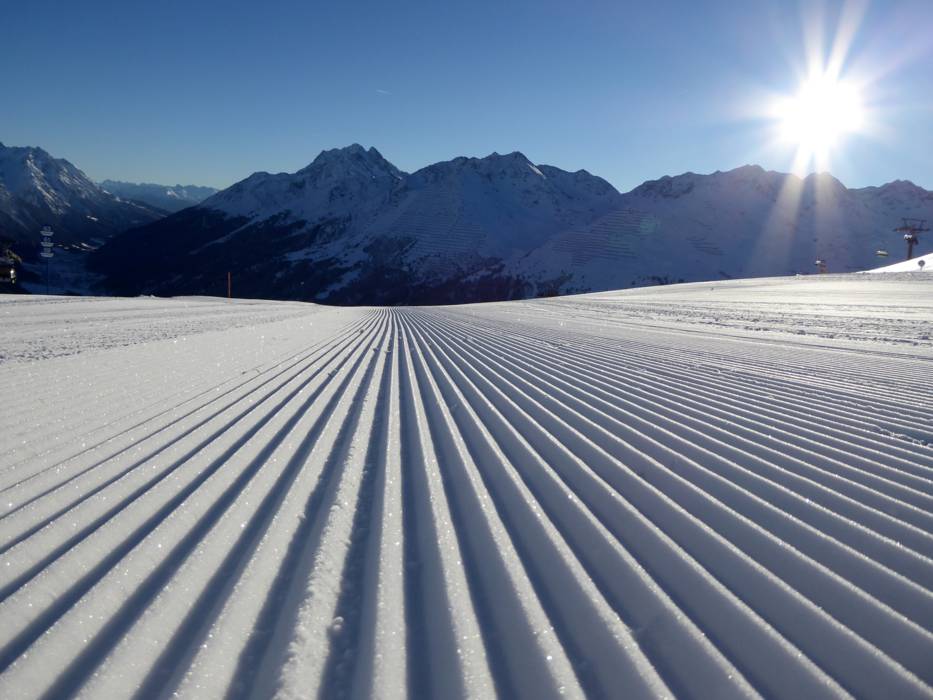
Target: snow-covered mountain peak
[(897, 188), (514, 161), (350, 161), (901, 198), (38, 189), (576, 183), (824, 181), (35, 177), (749, 170), (337, 183), (743, 181), (666, 187), (496, 157), (513, 167)]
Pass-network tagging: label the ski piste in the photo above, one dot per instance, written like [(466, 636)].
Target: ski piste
[(718, 489)]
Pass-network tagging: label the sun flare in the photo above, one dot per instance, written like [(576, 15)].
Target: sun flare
[(817, 119)]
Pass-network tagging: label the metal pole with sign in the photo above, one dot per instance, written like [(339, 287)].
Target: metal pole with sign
[(46, 252)]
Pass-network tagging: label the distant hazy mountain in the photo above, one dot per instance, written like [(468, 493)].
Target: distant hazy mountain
[(170, 198), (352, 228), (37, 189)]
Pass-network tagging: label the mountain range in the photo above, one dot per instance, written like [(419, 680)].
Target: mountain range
[(170, 198), (352, 228), (37, 190)]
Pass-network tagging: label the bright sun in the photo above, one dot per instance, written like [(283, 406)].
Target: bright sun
[(815, 120)]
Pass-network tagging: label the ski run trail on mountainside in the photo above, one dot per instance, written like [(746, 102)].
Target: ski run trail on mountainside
[(708, 490)]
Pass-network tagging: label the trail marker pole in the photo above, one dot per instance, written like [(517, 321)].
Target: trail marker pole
[(47, 253), (229, 284)]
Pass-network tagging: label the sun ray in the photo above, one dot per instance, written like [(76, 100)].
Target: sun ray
[(850, 20)]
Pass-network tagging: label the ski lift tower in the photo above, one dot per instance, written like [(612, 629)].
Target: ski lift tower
[(46, 251), (911, 228)]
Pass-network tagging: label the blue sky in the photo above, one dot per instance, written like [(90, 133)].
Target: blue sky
[(206, 92)]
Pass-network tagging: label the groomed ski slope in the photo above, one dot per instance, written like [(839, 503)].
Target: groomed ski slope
[(709, 490), (922, 263)]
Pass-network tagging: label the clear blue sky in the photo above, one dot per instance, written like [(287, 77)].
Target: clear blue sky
[(208, 91)]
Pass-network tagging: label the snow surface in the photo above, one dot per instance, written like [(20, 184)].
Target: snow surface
[(711, 490), (913, 265)]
